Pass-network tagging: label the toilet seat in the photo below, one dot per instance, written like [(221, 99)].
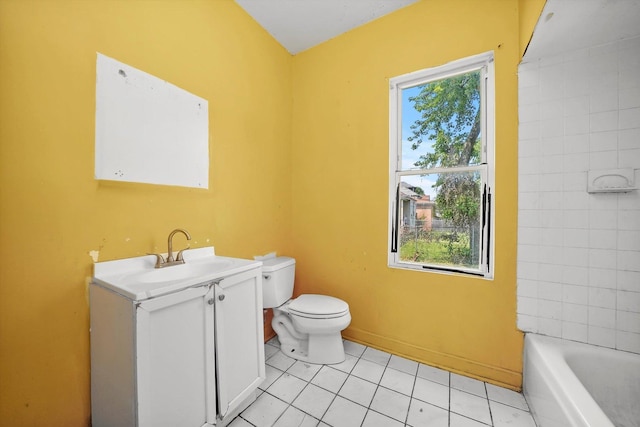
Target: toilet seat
[(318, 307)]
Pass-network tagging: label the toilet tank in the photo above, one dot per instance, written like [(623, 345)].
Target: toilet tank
[(277, 280)]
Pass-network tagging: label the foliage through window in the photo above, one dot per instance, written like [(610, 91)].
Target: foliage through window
[(441, 167)]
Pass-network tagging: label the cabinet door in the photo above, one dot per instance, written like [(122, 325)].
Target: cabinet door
[(172, 371), (239, 339)]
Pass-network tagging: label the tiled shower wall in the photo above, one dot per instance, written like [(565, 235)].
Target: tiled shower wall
[(579, 252)]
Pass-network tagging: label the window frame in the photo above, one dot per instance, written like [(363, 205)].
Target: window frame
[(485, 63)]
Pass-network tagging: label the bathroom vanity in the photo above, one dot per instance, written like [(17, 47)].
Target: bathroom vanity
[(175, 346)]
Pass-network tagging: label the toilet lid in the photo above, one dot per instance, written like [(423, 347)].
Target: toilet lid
[(318, 305)]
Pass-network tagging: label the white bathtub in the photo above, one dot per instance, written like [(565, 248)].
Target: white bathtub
[(579, 385)]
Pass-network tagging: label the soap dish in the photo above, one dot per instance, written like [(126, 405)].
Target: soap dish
[(611, 181)]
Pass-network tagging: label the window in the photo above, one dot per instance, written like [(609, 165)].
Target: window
[(441, 140)]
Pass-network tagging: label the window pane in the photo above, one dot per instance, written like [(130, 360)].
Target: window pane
[(440, 218), (441, 123)]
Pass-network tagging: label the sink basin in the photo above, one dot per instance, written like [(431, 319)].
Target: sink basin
[(138, 279), (182, 271)]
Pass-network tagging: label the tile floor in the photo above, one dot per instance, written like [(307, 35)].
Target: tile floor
[(372, 388)]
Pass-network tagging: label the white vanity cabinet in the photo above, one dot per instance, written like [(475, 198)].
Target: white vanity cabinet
[(190, 357)]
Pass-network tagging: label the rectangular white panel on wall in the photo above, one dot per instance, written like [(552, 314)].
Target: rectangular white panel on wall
[(148, 130)]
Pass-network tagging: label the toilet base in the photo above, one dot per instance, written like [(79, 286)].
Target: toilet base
[(322, 349)]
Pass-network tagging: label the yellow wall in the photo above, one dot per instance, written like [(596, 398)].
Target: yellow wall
[(53, 212), (298, 156), (340, 188)]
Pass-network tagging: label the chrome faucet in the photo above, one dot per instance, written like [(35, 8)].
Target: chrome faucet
[(160, 261)]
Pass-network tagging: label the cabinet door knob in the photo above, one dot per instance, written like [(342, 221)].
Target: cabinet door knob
[(211, 301), (221, 297)]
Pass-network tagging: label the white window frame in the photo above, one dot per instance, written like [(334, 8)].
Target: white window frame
[(485, 63)]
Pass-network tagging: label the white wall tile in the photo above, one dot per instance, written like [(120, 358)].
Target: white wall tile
[(603, 258), (529, 95), (576, 125), (605, 278), (550, 146), (528, 236), (551, 218), (575, 257), (574, 331), (604, 298), (628, 220), (577, 105), (574, 181), (529, 113), (576, 200), (528, 288), (555, 127), (577, 162), (550, 273), (602, 336), (548, 309), (575, 313), (551, 200), (603, 160), (551, 109), (527, 323), (629, 118), (628, 139), (528, 306), (576, 144), (629, 159), (604, 121), (603, 239), (575, 275), (602, 317), (631, 200), (550, 237), (528, 218), (628, 301), (550, 290), (628, 260), (629, 97), (628, 321), (528, 253), (576, 237), (529, 201), (578, 218), (579, 253), (603, 100), (527, 270), (550, 254), (628, 281), (529, 183), (603, 219), (528, 75), (574, 294), (603, 141), (604, 201), (628, 341), (529, 130), (629, 240), (550, 327)]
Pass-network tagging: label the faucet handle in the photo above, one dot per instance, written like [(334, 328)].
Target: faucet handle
[(179, 257), (159, 260)]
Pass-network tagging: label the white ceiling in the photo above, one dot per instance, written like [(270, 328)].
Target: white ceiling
[(301, 24), (567, 25)]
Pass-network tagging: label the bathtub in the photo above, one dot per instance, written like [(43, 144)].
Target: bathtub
[(570, 384)]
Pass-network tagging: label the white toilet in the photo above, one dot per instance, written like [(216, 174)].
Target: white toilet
[(308, 327)]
